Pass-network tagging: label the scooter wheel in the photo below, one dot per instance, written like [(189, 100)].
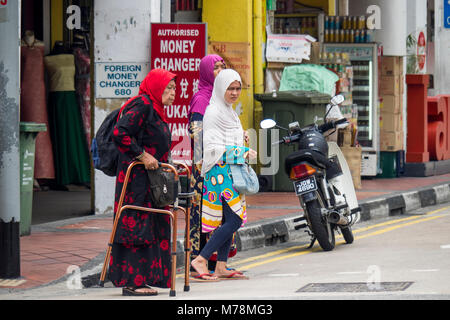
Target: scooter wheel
[(319, 226), (347, 234)]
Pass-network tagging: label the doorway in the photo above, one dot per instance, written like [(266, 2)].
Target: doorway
[(55, 90)]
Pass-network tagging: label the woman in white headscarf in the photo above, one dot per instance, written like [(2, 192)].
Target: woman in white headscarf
[(223, 209)]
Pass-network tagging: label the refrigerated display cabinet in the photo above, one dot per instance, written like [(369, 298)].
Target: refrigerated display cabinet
[(364, 60)]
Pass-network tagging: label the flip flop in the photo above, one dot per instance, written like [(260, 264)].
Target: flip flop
[(237, 271), (232, 276), (132, 291), (195, 273), (200, 278)]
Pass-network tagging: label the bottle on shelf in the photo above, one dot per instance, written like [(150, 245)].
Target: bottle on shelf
[(345, 23), (343, 36), (357, 36), (361, 22), (354, 23), (337, 23), (332, 35)]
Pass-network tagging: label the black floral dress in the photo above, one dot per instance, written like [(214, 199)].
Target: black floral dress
[(141, 250)]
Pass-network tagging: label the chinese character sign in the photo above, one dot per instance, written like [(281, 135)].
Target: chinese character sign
[(179, 48)]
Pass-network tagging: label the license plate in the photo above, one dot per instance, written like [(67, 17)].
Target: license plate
[(305, 185)]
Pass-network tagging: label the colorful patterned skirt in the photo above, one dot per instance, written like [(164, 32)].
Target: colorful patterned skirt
[(218, 186)]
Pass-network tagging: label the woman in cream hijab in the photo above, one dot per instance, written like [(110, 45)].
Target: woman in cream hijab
[(223, 209)]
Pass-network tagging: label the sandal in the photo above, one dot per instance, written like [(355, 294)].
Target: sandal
[(233, 269), (234, 276), (201, 278), (132, 291)]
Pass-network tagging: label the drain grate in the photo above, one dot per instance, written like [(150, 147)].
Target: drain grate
[(356, 287)]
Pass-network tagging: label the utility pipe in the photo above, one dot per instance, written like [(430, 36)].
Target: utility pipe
[(258, 78)]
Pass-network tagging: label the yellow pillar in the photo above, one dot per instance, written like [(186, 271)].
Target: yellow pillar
[(232, 21), (331, 7), (56, 21), (259, 18)]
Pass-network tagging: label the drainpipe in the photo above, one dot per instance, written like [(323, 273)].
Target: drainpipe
[(258, 77), (343, 8)]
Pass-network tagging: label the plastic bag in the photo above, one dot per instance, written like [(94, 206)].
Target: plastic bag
[(308, 77)]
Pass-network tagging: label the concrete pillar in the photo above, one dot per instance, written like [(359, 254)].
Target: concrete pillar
[(393, 23), (9, 140), (441, 51), (122, 34)]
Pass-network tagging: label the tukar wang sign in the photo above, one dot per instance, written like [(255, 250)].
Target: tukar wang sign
[(179, 47)]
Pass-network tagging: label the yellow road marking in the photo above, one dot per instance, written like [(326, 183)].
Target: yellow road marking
[(282, 252), (398, 226), (398, 220), (416, 219)]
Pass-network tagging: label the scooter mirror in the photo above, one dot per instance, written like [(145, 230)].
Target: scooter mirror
[(336, 100), (268, 124)]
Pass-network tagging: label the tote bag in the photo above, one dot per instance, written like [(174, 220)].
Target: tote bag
[(245, 180)]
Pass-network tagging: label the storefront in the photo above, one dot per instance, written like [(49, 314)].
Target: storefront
[(370, 46), (229, 35), (362, 42), (342, 44), (55, 91)]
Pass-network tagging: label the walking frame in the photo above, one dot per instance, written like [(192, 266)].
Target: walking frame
[(173, 215)]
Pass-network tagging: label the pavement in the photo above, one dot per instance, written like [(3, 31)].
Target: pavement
[(56, 249)]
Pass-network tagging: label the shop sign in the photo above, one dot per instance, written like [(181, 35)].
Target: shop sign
[(447, 14), (288, 48), (179, 48), (421, 51), (3, 10), (119, 80), (237, 56)]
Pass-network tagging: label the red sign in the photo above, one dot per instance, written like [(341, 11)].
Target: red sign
[(421, 50), (179, 47)]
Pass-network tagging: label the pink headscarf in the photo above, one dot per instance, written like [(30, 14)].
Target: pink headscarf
[(200, 100)]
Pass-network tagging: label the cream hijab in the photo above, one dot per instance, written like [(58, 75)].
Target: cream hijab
[(221, 124)]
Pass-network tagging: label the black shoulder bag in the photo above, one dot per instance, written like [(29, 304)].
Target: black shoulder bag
[(164, 187)]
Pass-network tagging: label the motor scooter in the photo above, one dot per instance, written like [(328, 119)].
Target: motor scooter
[(322, 179)]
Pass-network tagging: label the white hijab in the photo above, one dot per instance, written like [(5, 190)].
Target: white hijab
[(221, 124)]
